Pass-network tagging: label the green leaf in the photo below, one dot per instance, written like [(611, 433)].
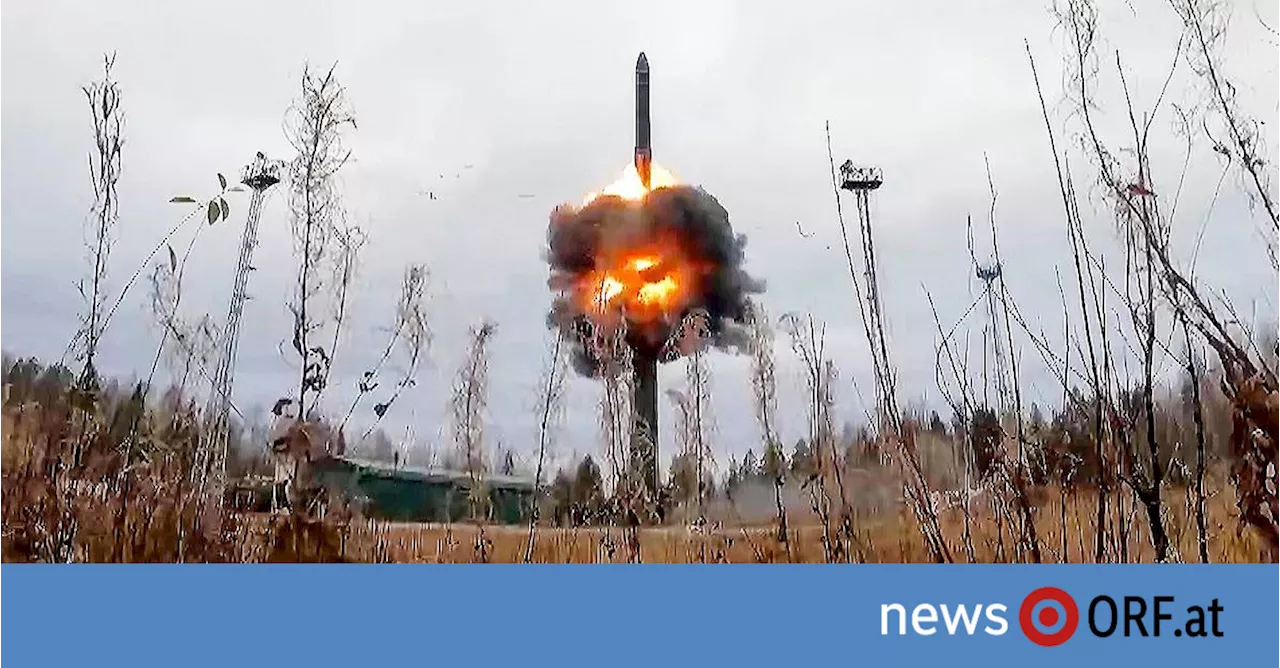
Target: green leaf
[(222, 180), (226, 208), (182, 199), (212, 212), (173, 259)]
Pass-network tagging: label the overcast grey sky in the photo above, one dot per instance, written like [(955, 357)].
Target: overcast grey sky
[(505, 99)]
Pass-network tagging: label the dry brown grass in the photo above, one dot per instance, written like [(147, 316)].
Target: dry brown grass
[(54, 511), (893, 539)]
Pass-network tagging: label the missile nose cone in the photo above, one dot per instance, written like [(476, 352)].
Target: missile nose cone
[(642, 63)]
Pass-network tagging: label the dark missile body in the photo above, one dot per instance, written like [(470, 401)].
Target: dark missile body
[(644, 149)]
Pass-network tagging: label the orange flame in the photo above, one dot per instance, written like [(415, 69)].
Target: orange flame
[(648, 283), (629, 186)]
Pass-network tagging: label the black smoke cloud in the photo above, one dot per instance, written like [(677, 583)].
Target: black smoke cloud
[(691, 216)]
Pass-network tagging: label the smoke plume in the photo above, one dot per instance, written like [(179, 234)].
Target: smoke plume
[(693, 228)]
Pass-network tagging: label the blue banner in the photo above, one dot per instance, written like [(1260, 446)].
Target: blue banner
[(687, 615)]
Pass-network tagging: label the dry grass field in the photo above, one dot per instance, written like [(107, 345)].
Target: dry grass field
[(58, 510), (879, 540)]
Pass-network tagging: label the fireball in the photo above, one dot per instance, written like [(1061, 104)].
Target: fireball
[(646, 285), (650, 282), (630, 187)]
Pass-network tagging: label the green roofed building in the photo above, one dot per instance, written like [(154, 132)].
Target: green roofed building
[(416, 494)]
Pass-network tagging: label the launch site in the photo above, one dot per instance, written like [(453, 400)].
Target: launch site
[(900, 282)]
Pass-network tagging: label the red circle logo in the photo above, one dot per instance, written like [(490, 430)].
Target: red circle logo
[(1042, 621)]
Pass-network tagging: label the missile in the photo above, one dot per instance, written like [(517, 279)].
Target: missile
[(644, 150)]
